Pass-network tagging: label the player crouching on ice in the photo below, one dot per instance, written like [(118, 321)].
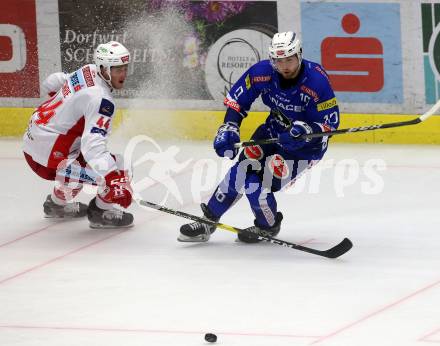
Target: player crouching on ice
[(69, 131), (301, 101)]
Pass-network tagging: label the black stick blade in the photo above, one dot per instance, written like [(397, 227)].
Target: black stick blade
[(338, 250)]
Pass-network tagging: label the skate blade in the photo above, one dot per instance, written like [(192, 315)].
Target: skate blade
[(198, 239), (64, 217), (53, 216), (100, 226)]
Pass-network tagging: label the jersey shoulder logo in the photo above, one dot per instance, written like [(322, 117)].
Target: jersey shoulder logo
[(88, 76), (106, 108), (261, 79), (321, 71), (310, 92)]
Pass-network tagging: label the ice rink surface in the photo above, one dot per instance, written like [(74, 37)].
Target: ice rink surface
[(62, 283)]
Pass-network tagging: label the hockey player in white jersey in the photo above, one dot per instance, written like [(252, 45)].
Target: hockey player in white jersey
[(70, 129)]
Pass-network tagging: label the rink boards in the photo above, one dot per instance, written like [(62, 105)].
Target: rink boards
[(202, 124)]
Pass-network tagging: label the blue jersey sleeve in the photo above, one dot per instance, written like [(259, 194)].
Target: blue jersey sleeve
[(247, 88), (322, 106)]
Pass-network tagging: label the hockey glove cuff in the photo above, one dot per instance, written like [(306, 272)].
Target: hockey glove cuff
[(227, 135)]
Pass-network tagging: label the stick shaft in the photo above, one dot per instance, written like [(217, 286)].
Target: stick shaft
[(421, 118), (333, 252)]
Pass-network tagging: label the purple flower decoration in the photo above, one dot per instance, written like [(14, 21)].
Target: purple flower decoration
[(236, 7), (214, 11)]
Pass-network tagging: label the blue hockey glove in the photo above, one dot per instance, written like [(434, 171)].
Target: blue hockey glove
[(227, 135), (289, 140)]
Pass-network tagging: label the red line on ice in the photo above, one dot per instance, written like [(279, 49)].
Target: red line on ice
[(73, 251), (375, 313), (151, 331), (427, 337), (28, 234), (9, 242)]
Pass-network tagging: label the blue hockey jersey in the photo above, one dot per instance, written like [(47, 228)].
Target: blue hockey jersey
[(310, 99)]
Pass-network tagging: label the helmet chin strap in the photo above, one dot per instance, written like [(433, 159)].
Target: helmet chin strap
[(109, 80), (299, 55)]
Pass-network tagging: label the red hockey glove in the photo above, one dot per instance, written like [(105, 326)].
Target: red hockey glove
[(118, 189)]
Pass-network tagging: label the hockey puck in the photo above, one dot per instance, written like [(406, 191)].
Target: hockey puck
[(210, 337)]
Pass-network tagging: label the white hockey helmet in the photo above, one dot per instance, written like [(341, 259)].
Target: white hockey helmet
[(285, 44), (110, 54)]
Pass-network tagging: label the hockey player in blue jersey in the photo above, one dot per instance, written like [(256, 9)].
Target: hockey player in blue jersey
[(301, 101)]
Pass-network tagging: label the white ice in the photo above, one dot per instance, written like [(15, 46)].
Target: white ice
[(62, 283)]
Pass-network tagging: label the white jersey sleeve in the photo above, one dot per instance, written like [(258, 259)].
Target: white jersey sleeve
[(54, 82), (98, 115)]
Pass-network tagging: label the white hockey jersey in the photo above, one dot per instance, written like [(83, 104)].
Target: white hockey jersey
[(77, 119)]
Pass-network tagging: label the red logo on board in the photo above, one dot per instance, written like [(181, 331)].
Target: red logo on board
[(360, 74), (18, 49)]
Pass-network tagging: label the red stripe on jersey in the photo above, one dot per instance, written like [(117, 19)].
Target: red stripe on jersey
[(61, 148)]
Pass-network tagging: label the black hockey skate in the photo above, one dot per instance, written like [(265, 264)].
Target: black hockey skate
[(114, 218), (69, 211), (197, 232), (269, 232)]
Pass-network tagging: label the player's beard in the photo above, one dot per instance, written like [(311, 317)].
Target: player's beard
[(289, 74)]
